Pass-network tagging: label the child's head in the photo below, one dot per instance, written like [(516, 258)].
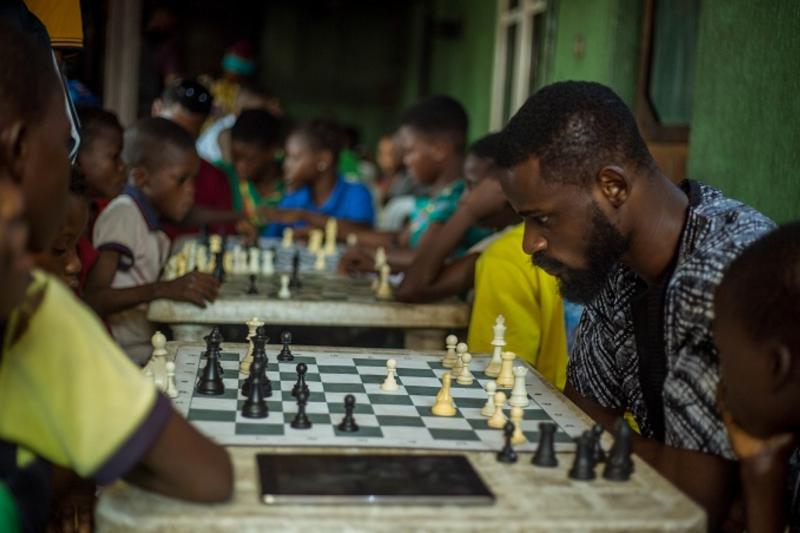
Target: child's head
[(433, 131), (34, 134), (256, 138), (61, 259), (186, 103), (757, 332), (312, 150), (480, 165), (100, 152), (162, 163), (389, 155)]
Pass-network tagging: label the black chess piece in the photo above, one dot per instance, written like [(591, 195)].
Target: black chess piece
[(259, 351), (219, 268), (252, 289), (619, 465), (294, 281), (286, 351), (507, 454), (210, 383), (597, 449), (583, 467), (348, 423), (214, 344), (301, 420), (300, 386), (255, 406), (545, 455)]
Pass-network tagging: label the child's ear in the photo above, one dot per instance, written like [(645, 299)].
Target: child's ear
[(14, 148), (140, 177), (325, 160), (781, 365)]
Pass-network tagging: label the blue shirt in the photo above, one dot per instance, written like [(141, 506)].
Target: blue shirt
[(348, 201)]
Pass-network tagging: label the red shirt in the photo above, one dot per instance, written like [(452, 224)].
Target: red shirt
[(86, 251)]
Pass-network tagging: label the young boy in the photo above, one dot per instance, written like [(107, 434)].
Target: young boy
[(316, 191), (68, 395), (162, 163), (757, 308)]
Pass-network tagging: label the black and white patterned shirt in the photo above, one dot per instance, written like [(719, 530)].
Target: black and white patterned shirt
[(604, 364)]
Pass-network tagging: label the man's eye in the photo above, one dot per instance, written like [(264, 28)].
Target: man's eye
[(542, 220)]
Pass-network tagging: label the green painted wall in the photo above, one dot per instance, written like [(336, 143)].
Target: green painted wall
[(745, 136)]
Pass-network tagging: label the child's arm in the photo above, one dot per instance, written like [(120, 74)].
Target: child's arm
[(195, 287)]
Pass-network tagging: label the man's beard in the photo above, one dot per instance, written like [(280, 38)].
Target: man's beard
[(606, 245)]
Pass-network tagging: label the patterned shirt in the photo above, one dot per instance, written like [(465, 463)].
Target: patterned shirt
[(605, 366)]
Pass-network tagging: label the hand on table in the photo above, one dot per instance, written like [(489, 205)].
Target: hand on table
[(195, 287)]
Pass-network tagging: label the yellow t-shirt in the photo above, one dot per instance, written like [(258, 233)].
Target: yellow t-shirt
[(69, 394), (507, 283)]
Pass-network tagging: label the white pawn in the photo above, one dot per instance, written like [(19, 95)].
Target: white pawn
[(390, 384), (506, 378), (450, 357), (320, 263), (267, 262), (465, 377), (518, 437), (519, 394), (284, 293), (461, 349), (172, 387), (288, 238), (488, 407), (498, 419), (254, 266)]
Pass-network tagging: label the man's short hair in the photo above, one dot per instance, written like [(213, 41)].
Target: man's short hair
[(439, 115), (258, 126), (95, 122), (147, 140), (574, 128), (189, 94), (487, 147)]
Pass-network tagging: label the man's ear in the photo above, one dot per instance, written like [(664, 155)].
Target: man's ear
[(782, 365), (14, 148), (613, 185), (140, 177)]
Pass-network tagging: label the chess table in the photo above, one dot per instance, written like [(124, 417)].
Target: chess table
[(528, 498)]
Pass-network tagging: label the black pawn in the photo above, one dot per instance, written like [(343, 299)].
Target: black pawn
[(583, 467), (294, 281), (301, 420), (286, 351), (252, 289), (619, 465), (219, 268), (597, 449), (300, 386), (255, 406), (507, 454), (545, 455), (210, 383), (348, 423)]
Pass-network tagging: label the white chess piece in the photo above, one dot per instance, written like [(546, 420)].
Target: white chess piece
[(288, 238), (315, 241), (461, 349), (331, 229), (201, 258), (384, 291), (228, 262), (191, 256), (352, 239), (215, 244), (158, 358), (172, 387), (516, 416), (506, 378), (180, 265), (255, 268), (390, 384), (465, 377), (519, 394), (267, 263), (488, 407), (148, 373), (498, 419), (252, 326), (170, 269), (380, 258), (498, 342), (320, 263), (284, 293), (450, 357), (236, 253)]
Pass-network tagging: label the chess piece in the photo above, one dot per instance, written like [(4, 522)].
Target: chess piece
[(488, 407), (286, 351), (252, 289), (288, 238), (348, 423), (505, 380), (294, 281), (227, 262), (259, 366), (598, 453), (450, 357), (390, 384), (331, 228), (148, 373), (159, 343), (384, 291), (498, 419), (380, 258), (465, 377), (190, 251), (461, 349), (172, 387), (498, 342), (352, 240), (252, 326), (210, 383), (519, 394), (516, 417), (444, 400), (180, 265), (300, 386), (619, 465), (284, 293), (583, 466), (201, 258), (507, 454), (219, 268), (255, 406), (301, 420), (320, 264), (254, 267), (315, 241), (267, 262), (545, 455)]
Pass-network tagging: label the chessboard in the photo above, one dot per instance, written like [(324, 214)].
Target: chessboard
[(285, 255), (314, 287), (400, 419)]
